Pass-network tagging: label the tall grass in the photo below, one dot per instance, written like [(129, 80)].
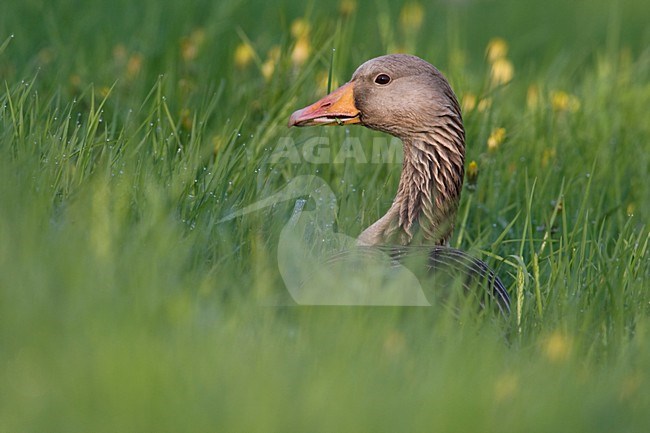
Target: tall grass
[(129, 130)]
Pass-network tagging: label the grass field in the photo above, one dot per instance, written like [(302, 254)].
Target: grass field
[(128, 130)]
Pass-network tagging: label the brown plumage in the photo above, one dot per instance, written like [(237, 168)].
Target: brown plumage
[(410, 99)]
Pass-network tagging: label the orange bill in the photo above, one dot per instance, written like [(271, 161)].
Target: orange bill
[(337, 108)]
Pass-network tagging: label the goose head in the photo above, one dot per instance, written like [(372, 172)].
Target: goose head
[(399, 94)]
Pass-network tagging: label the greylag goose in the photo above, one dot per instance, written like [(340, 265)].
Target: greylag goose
[(410, 99)]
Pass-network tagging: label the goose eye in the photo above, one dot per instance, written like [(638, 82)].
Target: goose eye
[(382, 79)]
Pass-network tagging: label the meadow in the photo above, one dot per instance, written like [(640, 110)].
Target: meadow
[(129, 130)]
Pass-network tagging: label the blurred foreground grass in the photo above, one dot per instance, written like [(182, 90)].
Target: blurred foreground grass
[(129, 129)]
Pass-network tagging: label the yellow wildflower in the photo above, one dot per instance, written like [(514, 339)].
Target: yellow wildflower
[(300, 52), (300, 28), (631, 207), (468, 102), (191, 45), (484, 104), (501, 71), (243, 55), (268, 67), (189, 51), (411, 16), (496, 49), (134, 65), (532, 97), (496, 138), (562, 101), (347, 7), (472, 176), (104, 91), (472, 170), (557, 347)]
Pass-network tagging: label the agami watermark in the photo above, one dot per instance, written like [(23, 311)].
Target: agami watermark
[(318, 150)]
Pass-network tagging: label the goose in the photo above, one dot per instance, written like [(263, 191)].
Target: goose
[(408, 98)]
